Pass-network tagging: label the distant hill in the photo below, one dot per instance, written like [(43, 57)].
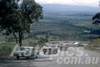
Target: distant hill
[(66, 22), (61, 7)]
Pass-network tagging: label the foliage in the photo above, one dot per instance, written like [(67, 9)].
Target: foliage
[(96, 19), (5, 51), (17, 18)]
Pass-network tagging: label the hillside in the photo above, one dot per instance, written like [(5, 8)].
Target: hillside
[(67, 25), (95, 44)]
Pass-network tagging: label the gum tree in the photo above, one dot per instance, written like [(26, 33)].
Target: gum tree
[(96, 20), (16, 18)]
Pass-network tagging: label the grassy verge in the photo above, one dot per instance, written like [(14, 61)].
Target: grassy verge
[(7, 57), (93, 43), (5, 50), (89, 48)]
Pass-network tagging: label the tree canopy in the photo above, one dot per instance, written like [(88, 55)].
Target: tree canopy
[(17, 18), (96, 19)]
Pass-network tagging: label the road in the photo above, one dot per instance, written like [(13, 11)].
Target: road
[(55, 61)]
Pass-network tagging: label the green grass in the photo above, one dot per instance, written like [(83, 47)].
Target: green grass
[(88, 48), (8, 44), (94, 42)]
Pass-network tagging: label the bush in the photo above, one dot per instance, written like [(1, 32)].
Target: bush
[(5, 51)]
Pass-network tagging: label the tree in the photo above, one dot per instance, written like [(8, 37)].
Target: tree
[(96, 19), (17, 18)]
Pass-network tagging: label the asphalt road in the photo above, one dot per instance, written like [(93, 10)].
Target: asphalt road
[(57, 60)]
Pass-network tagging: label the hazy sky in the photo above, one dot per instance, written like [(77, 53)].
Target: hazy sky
[(71, 2)]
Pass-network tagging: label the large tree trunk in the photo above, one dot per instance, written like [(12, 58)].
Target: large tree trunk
[(17, 42), (15, 37), (20, 38)]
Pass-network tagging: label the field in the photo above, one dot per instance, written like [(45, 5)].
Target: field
[(65, 25)]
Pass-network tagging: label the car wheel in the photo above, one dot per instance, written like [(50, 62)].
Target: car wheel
[(17, 57), (36, 56), (27, 57)]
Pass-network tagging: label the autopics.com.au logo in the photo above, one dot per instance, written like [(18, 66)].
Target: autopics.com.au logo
[(75, 56)]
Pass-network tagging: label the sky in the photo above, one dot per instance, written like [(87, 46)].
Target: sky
[(94, 3)]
